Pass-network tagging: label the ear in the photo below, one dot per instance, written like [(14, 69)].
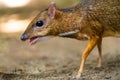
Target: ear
[(52, 10)]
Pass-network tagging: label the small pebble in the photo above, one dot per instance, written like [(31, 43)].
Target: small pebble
[(107, 77)]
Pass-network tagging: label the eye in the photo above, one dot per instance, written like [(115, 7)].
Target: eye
[(39, 23)]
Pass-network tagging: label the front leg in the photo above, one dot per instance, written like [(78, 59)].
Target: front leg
[(91, 44)]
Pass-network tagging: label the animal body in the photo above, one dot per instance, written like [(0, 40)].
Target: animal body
[(90, 19)]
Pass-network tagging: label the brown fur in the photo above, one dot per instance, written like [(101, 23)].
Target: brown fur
[(93, 18)]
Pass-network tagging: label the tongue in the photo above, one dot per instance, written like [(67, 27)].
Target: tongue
[(33, 40)]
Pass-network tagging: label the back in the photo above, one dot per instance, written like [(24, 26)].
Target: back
[(106, 12), (109, 13)]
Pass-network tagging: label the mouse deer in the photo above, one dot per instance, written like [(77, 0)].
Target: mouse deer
[(89, 20)]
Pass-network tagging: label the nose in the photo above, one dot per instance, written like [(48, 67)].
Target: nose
[(24, 37)]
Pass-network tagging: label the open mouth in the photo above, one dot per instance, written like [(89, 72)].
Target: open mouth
[(34, 40)]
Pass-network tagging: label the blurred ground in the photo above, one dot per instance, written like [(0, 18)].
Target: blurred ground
[(55, 59)]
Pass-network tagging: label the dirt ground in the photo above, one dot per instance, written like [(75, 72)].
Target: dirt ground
[(56, 59)]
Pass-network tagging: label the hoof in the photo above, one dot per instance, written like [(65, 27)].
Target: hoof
[(99, 65), (78, 77)]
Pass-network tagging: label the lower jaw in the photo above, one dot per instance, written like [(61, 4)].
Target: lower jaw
[(40, 39)]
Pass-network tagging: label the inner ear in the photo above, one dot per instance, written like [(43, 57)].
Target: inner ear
[(52, 10)]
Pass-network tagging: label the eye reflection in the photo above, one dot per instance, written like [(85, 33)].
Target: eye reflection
[(39, 23)]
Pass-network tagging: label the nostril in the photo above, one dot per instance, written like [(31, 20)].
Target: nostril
[(24, 37)]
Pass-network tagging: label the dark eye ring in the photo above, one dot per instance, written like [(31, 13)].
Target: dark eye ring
[(39, 23)]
